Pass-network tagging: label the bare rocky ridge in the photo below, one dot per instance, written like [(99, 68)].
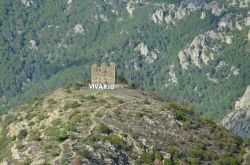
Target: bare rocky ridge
[(200, 51), (121, 126)]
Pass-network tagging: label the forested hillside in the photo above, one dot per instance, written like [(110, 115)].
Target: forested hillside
[(191, 50)]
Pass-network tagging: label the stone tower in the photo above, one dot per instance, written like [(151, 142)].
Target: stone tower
[(104, 74)]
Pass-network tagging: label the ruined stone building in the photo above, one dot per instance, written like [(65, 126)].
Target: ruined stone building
[(104, 74)]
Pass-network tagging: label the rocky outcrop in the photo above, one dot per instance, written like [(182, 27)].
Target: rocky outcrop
[(238, 121), (235, 70), (130, 8), (212, 79), (69, 3), (142, 48), (150, 56), (27, 3), (217, 10), (239, 3), (200, 51), (172, 79), (203, 15), (33, 44), (158, 16), (78, 29), (171, 13)]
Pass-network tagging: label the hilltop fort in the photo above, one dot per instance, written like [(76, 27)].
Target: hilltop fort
[(103, 77)]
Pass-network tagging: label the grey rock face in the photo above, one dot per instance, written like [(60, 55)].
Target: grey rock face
[(238, 121)]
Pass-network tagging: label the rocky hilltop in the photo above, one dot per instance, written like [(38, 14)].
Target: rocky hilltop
[(77, 126), (238, 121)]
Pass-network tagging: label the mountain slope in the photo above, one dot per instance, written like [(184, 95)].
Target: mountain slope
[(189, 50), (121, 126)]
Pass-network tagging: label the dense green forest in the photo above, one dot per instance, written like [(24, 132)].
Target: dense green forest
[(40, 50)]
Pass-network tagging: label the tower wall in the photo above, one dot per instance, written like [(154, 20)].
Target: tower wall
[(104, 74)]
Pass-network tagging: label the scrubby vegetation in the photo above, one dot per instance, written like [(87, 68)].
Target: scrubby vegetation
[(120, 131), (71, 104)]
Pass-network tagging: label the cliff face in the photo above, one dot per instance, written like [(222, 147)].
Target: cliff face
[(238, 121), (123, 126)]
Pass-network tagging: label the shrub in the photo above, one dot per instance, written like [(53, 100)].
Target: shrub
[(63, 135), (197, 153), (56, 122), (22, 134), (180, 115), (31, 115), (147, 158), (41, 116), (104, 129), (86, 154), (120, 101), (175, 152), (146, 101), (118, 142), (248, 140), (77, 86), (71, 104), (139, 114), (27, 162), (90, 97), (56, 134), (51, 101), (172, 106), (19, 145), (98, 114), (75, 119), (34, 136), (238, 140)]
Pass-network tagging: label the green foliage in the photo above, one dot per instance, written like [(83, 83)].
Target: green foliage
[(104, 129), (86, 154), (63, 135), (175, 154), (71, 104), (27, 162), (51, 101), (34, 136), (90, 97), (147, 158), (182, 116), (117, 141), (146, 101), (56, 122), (139, 114), (19, 145), (57, 134), (238, 140), (197, 153)]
